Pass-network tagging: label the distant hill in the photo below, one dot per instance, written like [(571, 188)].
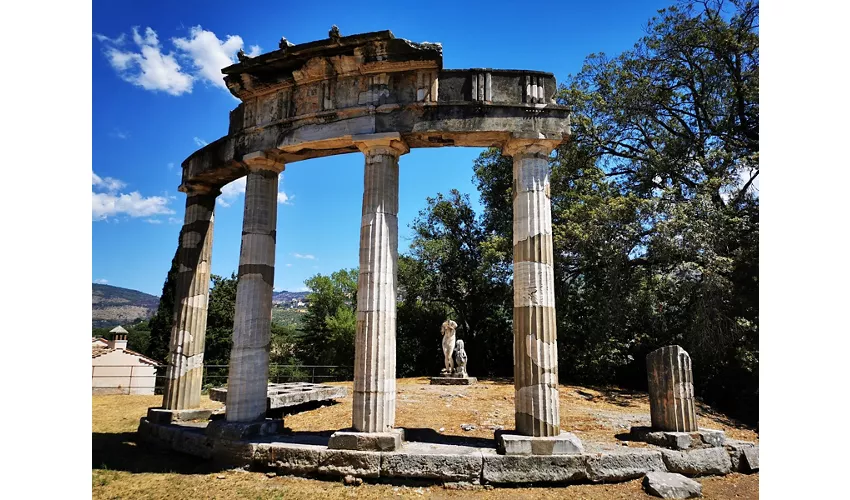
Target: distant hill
[(113, 305), (284, 296)]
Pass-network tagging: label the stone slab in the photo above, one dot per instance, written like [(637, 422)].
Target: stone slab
[(426, 461), (291, 394), (700, 462), (519, 469), (345, 462), (448, 380), (702, 438), (671, 485), (222, 429), (623, 466), (289, 458), (751, 459), (736, 453), (366, 441), (163, 417), (511, 443)]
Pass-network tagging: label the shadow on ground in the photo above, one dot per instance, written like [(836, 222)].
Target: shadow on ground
[(121, 452)]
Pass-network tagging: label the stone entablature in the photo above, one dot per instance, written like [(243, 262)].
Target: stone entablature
[(307, 101)]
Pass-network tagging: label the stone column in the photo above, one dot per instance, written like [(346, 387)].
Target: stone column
[(186, 348), (247, 382), (374, 351), (535, 335), (671, 390)]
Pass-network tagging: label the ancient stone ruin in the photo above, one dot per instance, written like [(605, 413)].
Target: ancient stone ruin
[(382, 96), (671, 390)]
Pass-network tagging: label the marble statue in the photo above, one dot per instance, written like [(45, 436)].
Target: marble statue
[(448, 330), (460, 356)]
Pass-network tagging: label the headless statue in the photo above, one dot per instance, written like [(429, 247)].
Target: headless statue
[(460, 356), (448, 331)]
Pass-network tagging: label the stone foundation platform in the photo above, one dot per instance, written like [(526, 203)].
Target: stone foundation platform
[(703, 438), (510, 443), (453, 380), (366, 441), (163, 416), (290, 394), (306, 454)]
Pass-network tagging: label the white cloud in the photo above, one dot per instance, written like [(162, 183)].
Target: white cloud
[(170, 165), (230, 192), (209, 54), (304, 256), (108, 183), (149, 68), (153, 221), (112, 203), (289, 265), (105, 205), (152, 69), (200, 142), (174, 220), (119, 134), (101, 281), (114, 41)]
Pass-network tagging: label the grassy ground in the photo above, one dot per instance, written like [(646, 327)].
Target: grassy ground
[(120, 469)]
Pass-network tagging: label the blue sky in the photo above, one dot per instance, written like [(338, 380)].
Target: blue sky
[(157, 97)]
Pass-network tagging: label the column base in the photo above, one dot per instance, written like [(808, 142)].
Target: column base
[(453, 380), (702, 438), (511, 443), (164, 417), (366, 441), (236, 431)]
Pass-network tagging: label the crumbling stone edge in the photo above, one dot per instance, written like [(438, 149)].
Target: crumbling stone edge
[(479, 466)]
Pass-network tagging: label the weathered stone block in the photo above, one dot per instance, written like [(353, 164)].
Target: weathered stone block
[(698, 462), (613, 467), (289, 458), (534, 468), (445, 467), (751, 459), (671, 390), (670, 485), (453, 380), (678, 440), (222, 429), (232, 453), (356, 463), (366, 441), (192, 442), (566, 443), (736, 453), (163, 417)]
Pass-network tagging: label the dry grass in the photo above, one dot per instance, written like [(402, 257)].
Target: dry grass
[(120, 469)]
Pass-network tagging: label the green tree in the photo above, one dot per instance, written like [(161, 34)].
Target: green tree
[(330, 322), (464, 269), (220, 315), (163, 319)]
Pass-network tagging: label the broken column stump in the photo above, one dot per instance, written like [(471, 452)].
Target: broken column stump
[(671, 390)]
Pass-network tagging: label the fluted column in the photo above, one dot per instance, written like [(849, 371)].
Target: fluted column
[(247, 382), (535, 336), (374, 350), (671, 390), (186, 348)]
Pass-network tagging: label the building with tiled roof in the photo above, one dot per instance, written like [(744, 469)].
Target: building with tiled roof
[(118, 370)]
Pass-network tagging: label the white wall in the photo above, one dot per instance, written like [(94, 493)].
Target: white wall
[(120, 372)]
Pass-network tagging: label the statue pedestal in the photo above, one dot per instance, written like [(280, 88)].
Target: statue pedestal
[(453, 380)]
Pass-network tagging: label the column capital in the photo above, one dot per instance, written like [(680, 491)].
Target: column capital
[(260, 160), (529, 146), (196, 189), (389, 143)]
